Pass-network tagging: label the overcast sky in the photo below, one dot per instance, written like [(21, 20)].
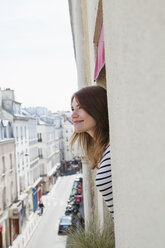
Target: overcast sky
[(36, 52)]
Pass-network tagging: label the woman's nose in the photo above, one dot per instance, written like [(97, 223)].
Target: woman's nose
[(74, 113)]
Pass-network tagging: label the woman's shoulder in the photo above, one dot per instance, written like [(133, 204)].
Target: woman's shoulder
[(106, 154), (106, 158), (107, 149)]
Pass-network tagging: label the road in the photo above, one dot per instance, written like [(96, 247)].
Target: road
[(45, 235)]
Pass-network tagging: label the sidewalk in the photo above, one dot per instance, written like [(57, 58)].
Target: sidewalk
[(23, 238)]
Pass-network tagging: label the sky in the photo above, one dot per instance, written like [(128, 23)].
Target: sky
[(36, 52)]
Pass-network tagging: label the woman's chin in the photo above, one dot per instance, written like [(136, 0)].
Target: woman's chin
[(78, 131)]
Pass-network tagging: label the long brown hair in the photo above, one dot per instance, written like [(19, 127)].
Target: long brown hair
[(93, 99)]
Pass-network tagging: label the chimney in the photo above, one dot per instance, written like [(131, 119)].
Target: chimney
[(8, 94)]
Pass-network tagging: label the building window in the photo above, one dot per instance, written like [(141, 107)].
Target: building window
[(27, 154), (4, 199), (39, 135), (21, 184), (5, 132), (21, 133), (3, 165), (18, 159), (10, 131), (12, 191), (40, 153), (16, 133), (11, 162)]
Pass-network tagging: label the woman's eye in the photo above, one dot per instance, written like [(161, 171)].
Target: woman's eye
[(77, 107)]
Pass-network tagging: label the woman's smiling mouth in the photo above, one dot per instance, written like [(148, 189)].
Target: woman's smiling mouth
[(77, 122)]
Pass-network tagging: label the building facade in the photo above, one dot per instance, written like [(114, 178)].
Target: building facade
[(8, 184), (16, 213), (34, 179)]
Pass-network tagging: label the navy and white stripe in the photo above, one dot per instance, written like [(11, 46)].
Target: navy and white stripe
[(104, 179)]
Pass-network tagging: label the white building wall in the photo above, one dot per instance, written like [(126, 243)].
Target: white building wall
[(89, 15), (68, 132), (83, 20), (34, 173), (22, 149), (135, 52), (49, 147), (7, 173), (41, 146), (8, 186), (59, 144)]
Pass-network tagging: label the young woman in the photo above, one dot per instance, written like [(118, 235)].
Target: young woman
[(90, 119)]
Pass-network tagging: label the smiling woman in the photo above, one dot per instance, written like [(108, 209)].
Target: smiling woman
[(82, 121), (91, 128)]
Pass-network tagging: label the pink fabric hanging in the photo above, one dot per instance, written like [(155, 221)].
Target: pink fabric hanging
[(100, 60)]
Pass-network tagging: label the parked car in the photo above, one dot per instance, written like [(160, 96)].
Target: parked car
[(79, 191), (65, 224), (70, 209), (74, 191), (74, 163), (78, 198), (78, 179), (79, 186), (71, 199), (75, 185)]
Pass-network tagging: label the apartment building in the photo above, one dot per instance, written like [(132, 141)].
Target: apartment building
[(48, 136), (49, 155), (22, 149), (31, 154), (34, 179), (11, 112), (59, 121), (26, 156), (8, 186)]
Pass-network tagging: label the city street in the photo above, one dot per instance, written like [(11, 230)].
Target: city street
[(45, 234)]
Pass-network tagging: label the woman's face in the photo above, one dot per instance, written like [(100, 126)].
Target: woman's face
[(83, 122)]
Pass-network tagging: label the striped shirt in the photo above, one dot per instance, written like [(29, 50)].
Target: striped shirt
[(104, 179)]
